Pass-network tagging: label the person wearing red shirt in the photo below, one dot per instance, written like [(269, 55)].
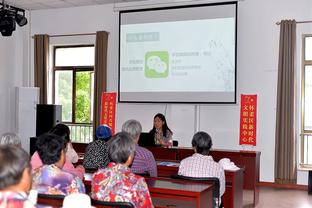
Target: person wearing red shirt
[(116, 182)]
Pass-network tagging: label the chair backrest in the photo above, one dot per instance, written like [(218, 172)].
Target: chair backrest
[(211, 180), (51, 200), (145, 174), (106, 204), (91, 170)]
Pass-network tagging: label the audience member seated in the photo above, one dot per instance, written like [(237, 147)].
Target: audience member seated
[(144, 161), (71, 156), (162, 133), (77, 200), (50, 178), (96, 155), (63, 130), (200, 164), (10, 138), (117, 182), (15, 177)]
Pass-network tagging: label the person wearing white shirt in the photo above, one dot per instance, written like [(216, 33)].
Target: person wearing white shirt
[(201, 164)]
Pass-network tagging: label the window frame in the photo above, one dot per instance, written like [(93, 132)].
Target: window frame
[(74, 70), (304, 132)]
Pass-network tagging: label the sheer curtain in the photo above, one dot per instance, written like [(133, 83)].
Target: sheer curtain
[(285, 143), (41, 64), (100, 74)]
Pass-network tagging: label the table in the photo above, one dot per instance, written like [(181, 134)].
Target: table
[(175, 193), (248, 160), (233, 195), (180, 193)]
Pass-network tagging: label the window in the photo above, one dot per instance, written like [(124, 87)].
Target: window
[(73, 89), (306, 134)]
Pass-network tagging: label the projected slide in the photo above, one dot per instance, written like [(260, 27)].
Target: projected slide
[(188, 56), (185, 54)]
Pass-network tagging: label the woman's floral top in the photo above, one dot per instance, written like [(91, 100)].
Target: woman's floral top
[(118, 183), (49, 179)]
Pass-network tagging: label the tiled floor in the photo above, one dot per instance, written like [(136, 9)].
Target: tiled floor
[(281, 198)]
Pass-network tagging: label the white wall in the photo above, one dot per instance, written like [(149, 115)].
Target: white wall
[(257, 58), (13, 72), (7, 53)]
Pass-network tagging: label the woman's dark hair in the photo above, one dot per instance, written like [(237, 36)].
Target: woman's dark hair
[(164, 127), (14, 160), (121, 146), (50, 147), (61, 130), (202, 142)]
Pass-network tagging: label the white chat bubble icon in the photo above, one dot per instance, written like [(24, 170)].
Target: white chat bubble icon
[(155, 63), (160, 67)]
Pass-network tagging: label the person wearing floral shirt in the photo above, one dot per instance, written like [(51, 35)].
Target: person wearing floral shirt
[(71, 155), (116, 182), (15, 177), (50, 178), (96, 154)]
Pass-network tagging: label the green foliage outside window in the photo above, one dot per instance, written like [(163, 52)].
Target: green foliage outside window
[(83, 97)]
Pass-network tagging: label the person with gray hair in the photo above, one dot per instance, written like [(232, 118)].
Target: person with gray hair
[(116, 183), (144, 161), (15, 177), (10, 138), (201, 164)]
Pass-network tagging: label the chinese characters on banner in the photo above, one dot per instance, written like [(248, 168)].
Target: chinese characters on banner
[(108, 109), (248, 120)]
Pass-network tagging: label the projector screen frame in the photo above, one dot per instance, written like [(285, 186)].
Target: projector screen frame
[(180, 7)]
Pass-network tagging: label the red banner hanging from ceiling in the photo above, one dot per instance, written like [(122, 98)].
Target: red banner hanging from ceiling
[(108, 110), (248, 120)]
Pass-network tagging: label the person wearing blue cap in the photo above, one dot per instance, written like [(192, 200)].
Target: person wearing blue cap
[(96, 154)]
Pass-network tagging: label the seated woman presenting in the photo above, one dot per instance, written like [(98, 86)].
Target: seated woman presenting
[(116, 183), (162, 133), (50, 178)]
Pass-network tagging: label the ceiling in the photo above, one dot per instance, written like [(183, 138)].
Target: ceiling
[(53, 4)]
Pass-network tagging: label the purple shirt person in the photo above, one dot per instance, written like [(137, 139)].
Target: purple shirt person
[(144, 161), (50, 178)]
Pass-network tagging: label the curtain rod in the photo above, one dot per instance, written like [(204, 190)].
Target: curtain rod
[(82, 34), (299, 22)]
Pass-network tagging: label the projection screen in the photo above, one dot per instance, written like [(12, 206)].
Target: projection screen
[(181, 54)]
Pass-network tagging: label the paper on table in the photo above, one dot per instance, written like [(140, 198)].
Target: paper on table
[(165, 163), (227, 164)]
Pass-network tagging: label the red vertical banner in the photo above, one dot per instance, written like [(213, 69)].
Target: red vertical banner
[(108, 110), (248, 120)]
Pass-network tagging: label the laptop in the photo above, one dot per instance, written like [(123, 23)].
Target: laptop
[(146, 140)]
